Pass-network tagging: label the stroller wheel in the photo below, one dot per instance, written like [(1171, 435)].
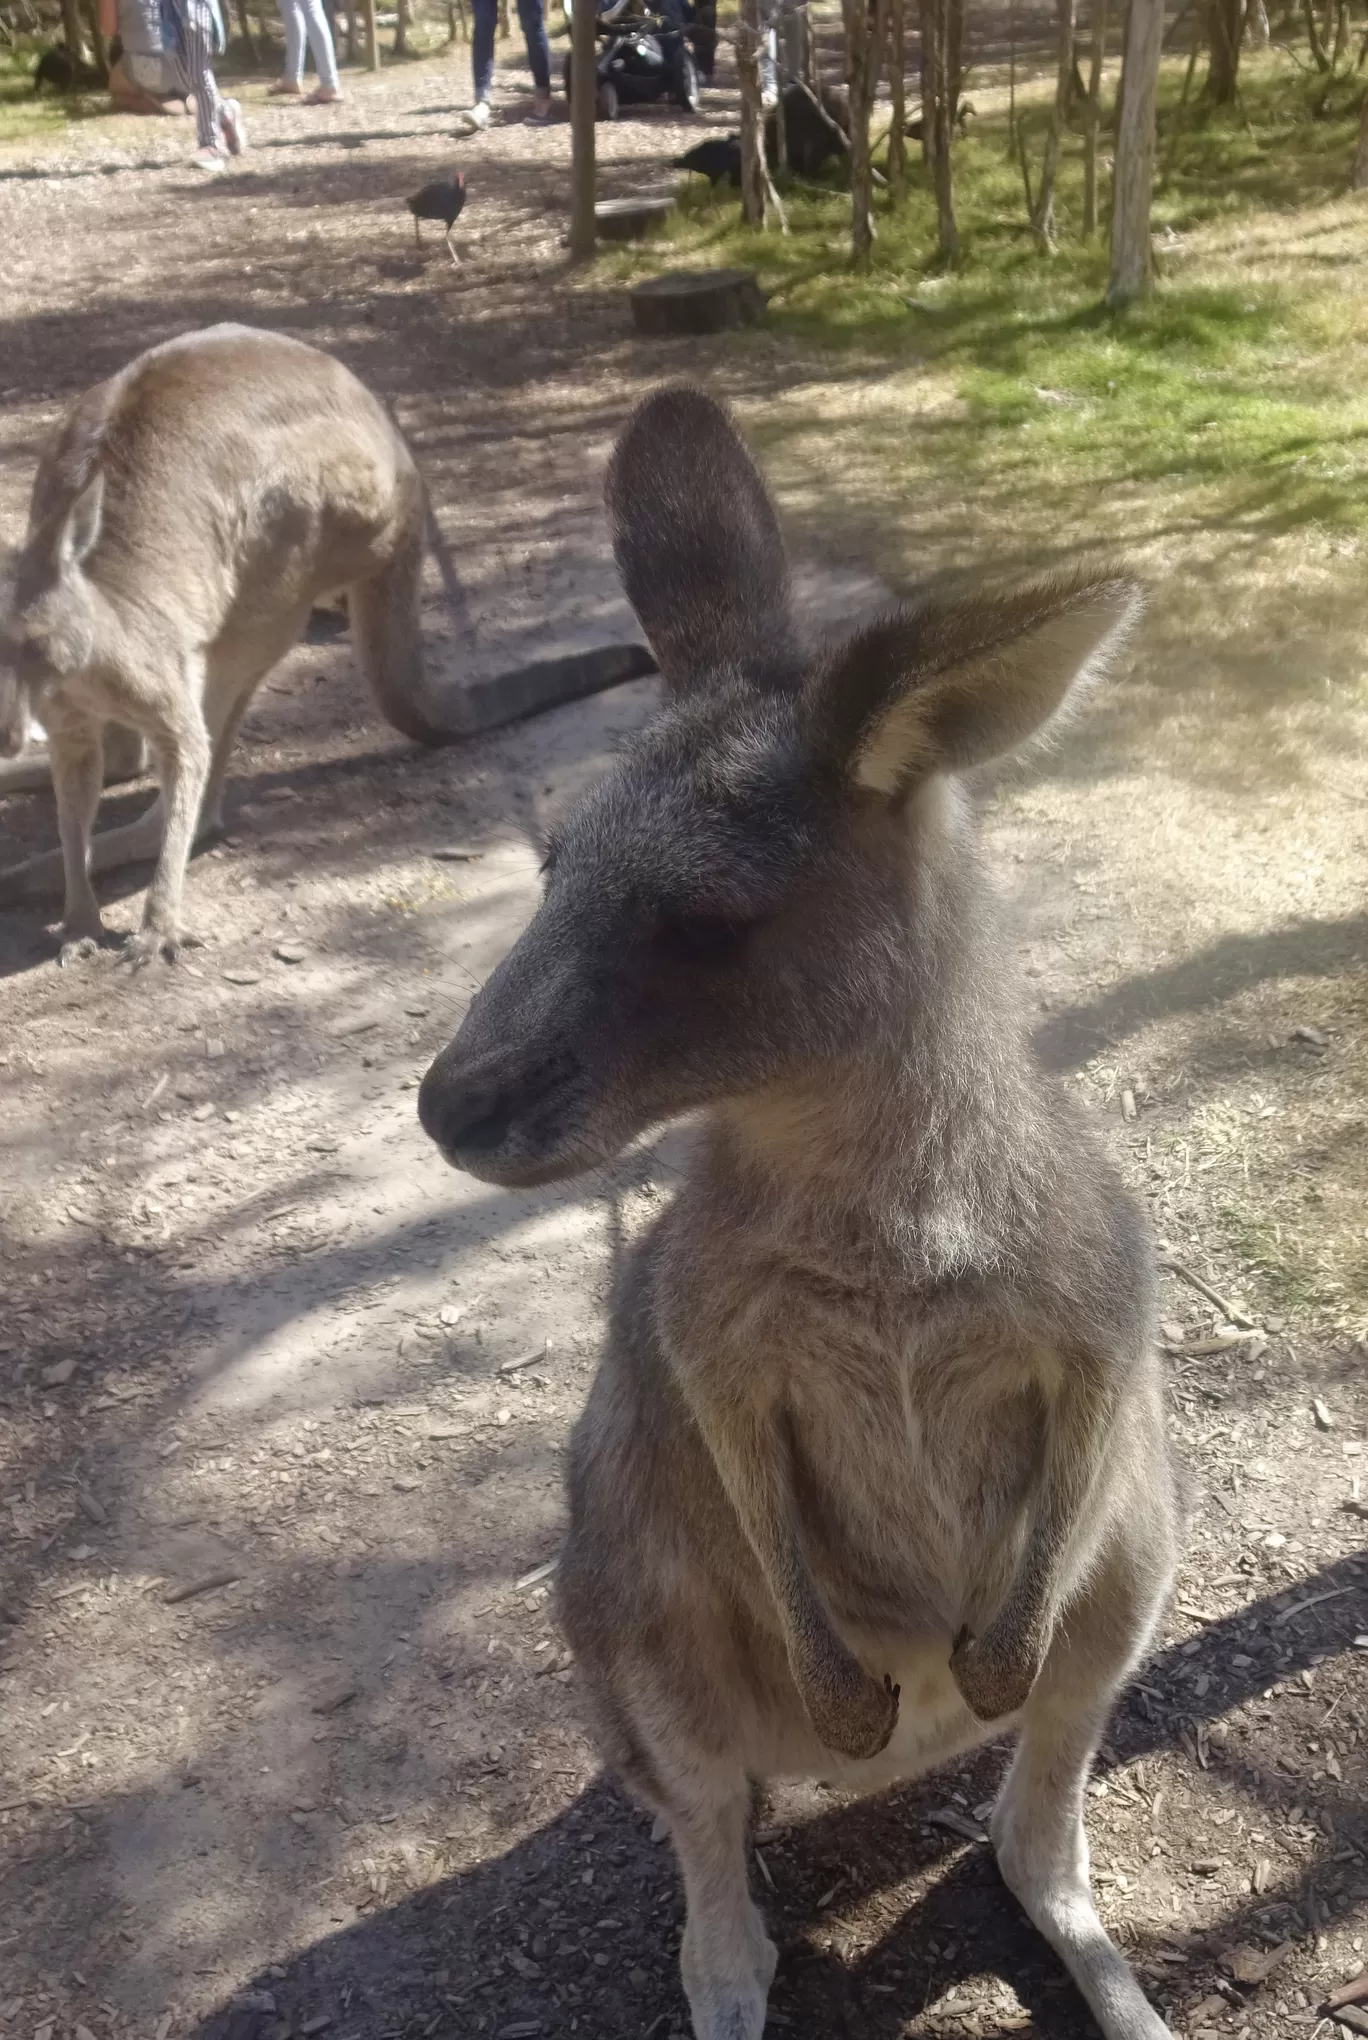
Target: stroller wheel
[(684, 81), (606, 100)]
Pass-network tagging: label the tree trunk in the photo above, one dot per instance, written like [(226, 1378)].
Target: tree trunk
[(1132, 257), (505, 25), (1319, 53), (1341, 34), (401, 22), (941, 24), (71, 29), (1360, 178), (1042, 212), (863, 40), (753, 179), (897, 89), (583, 107), (790, 32), (953, 17), (372, 40), (1225, 33), (1092, 116)]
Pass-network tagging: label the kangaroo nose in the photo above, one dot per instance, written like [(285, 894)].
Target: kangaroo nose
[(464, 1117)]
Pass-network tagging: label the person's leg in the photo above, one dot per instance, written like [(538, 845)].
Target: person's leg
[(292, 77), (769, 52), (321, 43), (532, 16), (486, 14), (197, 75)]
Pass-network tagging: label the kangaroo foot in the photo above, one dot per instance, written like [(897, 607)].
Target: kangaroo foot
[(76, 949), (149, 945)]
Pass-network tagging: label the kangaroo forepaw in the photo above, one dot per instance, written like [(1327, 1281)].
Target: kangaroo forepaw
[(995, 1677), (856, 1717)]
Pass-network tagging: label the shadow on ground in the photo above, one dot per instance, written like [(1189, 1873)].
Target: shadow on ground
[(580, 1919)]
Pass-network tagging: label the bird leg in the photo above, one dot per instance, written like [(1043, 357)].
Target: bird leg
[(417, 232), (450, 250)]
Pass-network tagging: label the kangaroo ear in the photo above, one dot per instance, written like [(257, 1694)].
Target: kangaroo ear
[(698, 546), (81, 525), (945, 687)]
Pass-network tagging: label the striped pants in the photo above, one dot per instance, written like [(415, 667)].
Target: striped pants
[(194, 64)]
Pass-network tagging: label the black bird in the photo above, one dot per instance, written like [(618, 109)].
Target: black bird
[(441, 200), (718, 157), (63, 72)]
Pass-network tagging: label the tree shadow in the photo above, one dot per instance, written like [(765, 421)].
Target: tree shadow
[(1202, 981)]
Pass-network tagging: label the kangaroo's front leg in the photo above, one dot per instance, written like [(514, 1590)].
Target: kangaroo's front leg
[(853, 1712), (996, 1671)]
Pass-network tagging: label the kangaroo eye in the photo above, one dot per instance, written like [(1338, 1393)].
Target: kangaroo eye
[(702, 938)]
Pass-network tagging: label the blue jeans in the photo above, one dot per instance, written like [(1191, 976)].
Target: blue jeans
[(532, 16)]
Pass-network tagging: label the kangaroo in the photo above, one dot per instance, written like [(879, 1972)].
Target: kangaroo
[(184, 518), (874, 1467)]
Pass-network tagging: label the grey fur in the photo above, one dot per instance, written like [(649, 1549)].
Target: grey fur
[(875, 1462)]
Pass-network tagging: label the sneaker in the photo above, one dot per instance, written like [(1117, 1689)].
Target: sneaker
[(476, 119), (211, 161), (284, 88), (234, 127), (540, 115), (323, 95)]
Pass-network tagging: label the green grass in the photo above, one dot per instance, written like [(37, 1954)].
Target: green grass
[(1237, 395)]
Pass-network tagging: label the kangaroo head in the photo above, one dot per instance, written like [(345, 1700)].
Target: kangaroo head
[(734, 906), (47, 624)]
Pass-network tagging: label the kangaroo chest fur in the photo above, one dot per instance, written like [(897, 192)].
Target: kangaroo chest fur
[(913, 1422)]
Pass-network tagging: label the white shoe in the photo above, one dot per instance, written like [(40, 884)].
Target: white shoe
[(234, 127), (476, 119), (210, 161)]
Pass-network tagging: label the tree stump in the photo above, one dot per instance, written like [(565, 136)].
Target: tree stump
[(697, 301), (627, 219)]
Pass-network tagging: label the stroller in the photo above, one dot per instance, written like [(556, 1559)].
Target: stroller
[(644, 54)]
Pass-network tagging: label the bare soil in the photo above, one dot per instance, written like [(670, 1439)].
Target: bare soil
[(290, 1743)]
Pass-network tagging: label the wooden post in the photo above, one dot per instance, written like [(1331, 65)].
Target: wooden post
[(1132, 257), (372, 40), (1092, 117), (583, 108)]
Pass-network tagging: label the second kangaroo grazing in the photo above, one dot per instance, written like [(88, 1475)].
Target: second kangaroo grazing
[(185, 517), (874, 1468)]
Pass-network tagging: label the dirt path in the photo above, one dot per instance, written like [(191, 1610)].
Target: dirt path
[(253, 1334)]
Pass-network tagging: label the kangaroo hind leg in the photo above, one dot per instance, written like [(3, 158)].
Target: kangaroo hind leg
[(1037, 1826), (727, 1959)]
